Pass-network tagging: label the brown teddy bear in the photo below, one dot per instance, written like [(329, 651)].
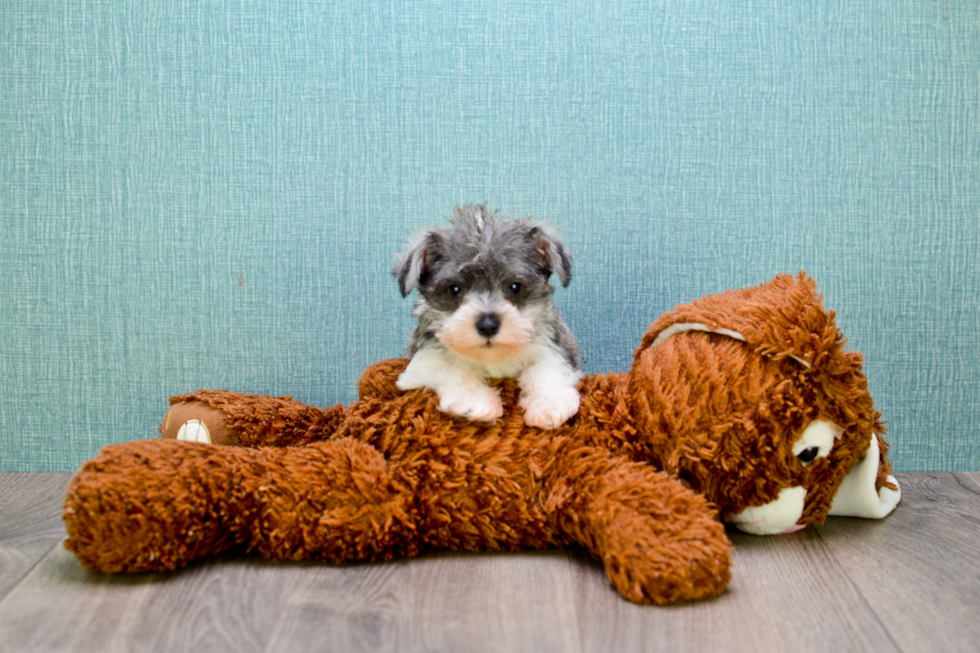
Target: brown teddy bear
[(743, 406)]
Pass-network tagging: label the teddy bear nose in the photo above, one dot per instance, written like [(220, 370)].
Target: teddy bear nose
[(488, 325)]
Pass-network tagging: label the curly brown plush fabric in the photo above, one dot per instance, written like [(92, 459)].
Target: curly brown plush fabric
[(701, 423)]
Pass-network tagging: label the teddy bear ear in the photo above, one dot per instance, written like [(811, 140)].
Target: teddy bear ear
[(783, 318), (681, 327)]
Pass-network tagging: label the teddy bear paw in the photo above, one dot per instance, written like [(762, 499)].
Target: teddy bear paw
[(549, 411), (194, 430), (480, 404)]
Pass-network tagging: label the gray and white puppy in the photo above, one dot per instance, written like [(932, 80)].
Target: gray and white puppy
[(485, 312)]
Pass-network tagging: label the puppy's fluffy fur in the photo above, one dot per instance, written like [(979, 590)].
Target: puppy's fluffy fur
[(485, 312)]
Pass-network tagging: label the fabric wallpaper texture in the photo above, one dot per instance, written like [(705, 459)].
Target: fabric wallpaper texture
[(209, 195)]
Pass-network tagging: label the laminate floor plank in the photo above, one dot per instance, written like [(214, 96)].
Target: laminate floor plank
[(969, 480), (218, 605), (787, 594), (30, 522), (446, 602), (919, 569), (225, 605)]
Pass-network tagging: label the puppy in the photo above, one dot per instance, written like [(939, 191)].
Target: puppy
[(485, 312)]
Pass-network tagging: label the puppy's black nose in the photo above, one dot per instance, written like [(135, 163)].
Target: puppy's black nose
[(488, 325)]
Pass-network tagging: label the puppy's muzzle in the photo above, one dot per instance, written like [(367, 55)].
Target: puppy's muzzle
[(488, 325)]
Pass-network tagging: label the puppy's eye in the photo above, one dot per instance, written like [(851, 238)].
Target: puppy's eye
[(808, 454), (455, 290), (515, 288)]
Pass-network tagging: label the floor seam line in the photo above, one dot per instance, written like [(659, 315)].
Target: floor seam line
[(28, 572), (857, 589)]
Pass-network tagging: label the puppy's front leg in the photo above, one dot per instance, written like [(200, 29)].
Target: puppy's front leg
[(461, 391), (549, 395)]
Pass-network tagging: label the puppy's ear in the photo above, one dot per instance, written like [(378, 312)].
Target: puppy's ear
[(554, 256), (413, 264)]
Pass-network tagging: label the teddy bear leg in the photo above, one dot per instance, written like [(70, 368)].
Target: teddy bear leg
[(659, 541), (232, 418), (156, 505)]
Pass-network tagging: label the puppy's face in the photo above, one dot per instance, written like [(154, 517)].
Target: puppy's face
[(483, 283)]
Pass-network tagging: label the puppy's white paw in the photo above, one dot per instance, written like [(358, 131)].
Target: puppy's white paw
[(551, 410), (480, 404)]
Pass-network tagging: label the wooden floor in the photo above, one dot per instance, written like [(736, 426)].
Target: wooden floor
[(908, 583)]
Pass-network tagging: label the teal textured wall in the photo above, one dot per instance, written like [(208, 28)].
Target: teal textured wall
[(209, 195)]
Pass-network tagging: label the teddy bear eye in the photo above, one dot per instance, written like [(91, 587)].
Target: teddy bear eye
[(808, 454)]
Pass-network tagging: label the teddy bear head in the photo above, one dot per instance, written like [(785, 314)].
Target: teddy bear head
[(749, 397)]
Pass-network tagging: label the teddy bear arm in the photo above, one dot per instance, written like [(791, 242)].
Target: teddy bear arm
[(232, 418), (250, 420), (659, 541)]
